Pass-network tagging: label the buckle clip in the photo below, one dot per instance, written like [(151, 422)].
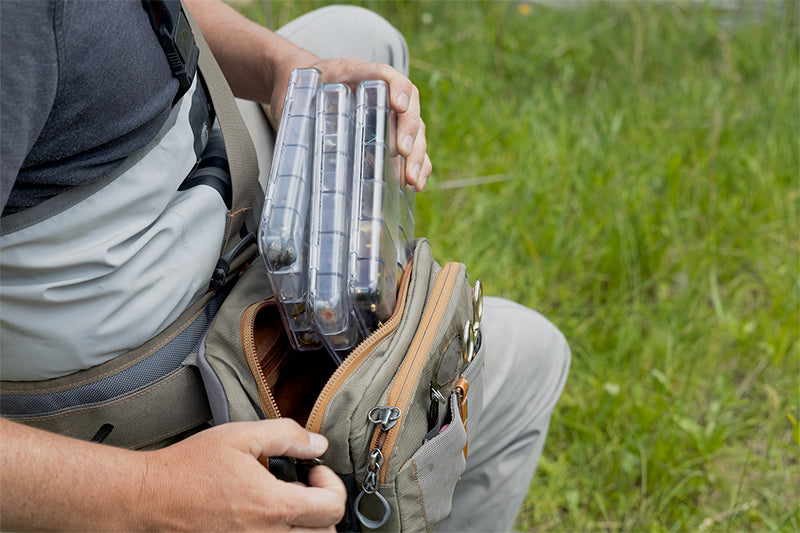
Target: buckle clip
[(176, 38)]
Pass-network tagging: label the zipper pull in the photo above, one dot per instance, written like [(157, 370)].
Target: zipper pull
[(370, 487)]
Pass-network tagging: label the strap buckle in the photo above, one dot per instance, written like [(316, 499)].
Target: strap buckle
[(176, 38)]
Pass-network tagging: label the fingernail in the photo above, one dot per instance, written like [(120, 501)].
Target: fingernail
[(318, 442), (408, 142), (402, 101), (415, 171)]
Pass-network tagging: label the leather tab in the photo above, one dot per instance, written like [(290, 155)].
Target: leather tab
[(462, 389)]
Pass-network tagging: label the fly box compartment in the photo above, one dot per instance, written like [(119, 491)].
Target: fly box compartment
[(331, 202), (376, 250), (283, 229)]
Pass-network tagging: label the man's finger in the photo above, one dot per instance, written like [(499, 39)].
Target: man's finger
[(273, 438), (425, 173), (416, 158), (408, 125), (321, 504)]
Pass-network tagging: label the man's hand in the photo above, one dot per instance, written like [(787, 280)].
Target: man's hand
[(210, 481), (257, 64), (213, 481), (411, 141)]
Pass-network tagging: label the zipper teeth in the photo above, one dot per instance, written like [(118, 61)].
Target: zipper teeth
[(249, 343), (419, 346), (314, 422)]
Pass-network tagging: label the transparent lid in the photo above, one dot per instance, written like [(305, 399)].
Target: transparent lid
[(283, 229), (329, 221), (374, 231)]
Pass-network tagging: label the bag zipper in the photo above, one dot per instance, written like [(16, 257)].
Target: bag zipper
[(355, 357), (315, 419), (401, 390), (247, 338)]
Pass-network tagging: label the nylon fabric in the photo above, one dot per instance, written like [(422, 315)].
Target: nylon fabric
[(431, 474), (151, 369), (94, 271)]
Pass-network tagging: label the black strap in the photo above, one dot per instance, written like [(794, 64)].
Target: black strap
[(176, 38), (167, 18), (242, 157), (212, 170)]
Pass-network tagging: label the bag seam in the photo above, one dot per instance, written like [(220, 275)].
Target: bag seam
[(415, 477)]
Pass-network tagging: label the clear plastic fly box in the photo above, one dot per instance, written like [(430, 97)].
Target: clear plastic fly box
[(331, 203), (283, 229), (378, 250)]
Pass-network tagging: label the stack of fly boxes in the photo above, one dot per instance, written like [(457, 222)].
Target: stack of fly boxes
[(337, 227)]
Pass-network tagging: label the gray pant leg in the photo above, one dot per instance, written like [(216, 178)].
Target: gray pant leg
[(526, 365), (349, 31)]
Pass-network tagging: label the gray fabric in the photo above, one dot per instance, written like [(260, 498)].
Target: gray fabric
[(165, 408), (113, 269), (349, 31), (144, 416), (242, 159), (201, 116), (62, 62), (224, 353), (434, 470), (217, 399), (161, 363)]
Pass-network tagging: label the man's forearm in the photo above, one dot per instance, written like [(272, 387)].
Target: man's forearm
[(50, 482), (250, 56)]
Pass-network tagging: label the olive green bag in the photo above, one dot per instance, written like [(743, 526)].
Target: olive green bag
[(396, 412)]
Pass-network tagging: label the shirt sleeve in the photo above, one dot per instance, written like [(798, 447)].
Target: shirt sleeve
[(28, 80)]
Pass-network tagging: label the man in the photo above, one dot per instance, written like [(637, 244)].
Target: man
[(84, 87)]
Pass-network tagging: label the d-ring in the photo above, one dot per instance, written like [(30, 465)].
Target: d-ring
[(368, 522)]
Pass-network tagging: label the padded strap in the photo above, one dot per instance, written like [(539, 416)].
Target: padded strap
[(242, 157)]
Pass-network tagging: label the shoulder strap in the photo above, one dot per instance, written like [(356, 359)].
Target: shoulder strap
[(242, 157)]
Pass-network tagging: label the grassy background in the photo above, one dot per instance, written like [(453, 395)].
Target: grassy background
[(631, 171)]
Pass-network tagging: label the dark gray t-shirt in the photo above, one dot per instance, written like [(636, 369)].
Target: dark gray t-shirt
[(83, 84)]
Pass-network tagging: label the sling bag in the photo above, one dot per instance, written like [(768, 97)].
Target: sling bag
[(395, 412)]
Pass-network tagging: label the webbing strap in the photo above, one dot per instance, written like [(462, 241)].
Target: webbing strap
[(242, 157)]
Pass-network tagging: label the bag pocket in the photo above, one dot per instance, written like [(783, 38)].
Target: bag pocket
[(419, 423), (428, 479), (288, 381)]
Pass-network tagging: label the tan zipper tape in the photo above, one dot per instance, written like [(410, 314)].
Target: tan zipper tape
[(355, 357), (403, 385), (251, 356)]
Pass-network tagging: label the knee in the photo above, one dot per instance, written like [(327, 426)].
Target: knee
[(349, 31), (551, 343), (535, 347)]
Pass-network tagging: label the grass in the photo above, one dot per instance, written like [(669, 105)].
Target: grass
[(638, 182)]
